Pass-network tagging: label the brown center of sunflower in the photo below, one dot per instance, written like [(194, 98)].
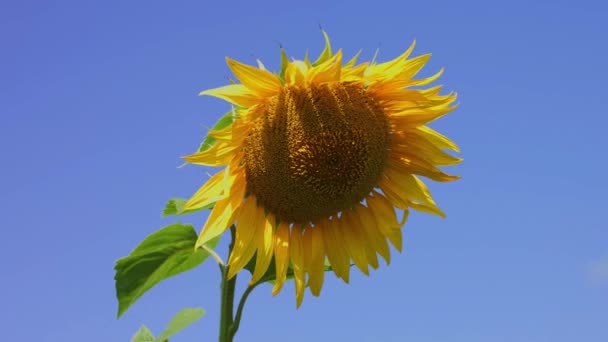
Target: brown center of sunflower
[(316, 150)]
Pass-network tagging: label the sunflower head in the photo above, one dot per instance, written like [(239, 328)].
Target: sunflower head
[(318, 158), (317, 150)]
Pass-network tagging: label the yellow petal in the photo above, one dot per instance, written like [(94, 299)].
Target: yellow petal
[(418, 166), (401, 99), (327, 71), (316, 263), (433, 93), (365, 242), (368, 224), (353, 243), (404, 82), (260, 82), (210, 192), (425, 208), (407, 102), (386, 219), (412, 66), (335, 249), (223, 213), (353, 74), (297, 259), (217, 155), (417, 117), (307, 249), (296, 72), (236, 94), (223, 134), (281, 256), (249, 224), (397, 99), (398, 197), (234, 132), (425, 81), (410, 185), (390, 66), (437, 138), (245, 223), (412, 144), (265, 244)]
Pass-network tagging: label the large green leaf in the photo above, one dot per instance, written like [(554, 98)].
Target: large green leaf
[(224, 121), (175, 206), (161, 255), (143, 335), (181, 320)]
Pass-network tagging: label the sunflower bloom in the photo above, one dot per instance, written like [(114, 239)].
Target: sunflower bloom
[(319, 159)]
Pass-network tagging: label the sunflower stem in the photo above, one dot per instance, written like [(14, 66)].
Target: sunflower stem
[(239, 311), (227, 298)]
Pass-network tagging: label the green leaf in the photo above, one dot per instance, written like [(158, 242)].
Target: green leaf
[(161, 255), (175, 206), (143, 335), (224, 121), (181, 320)]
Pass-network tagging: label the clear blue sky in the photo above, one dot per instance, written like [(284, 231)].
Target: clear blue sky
[(99, 99)]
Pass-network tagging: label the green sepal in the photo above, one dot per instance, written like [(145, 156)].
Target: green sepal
[(307, 59), (353, 60), (284, 63), (326, 54), (175, 206), (161, 255), (373, 61)]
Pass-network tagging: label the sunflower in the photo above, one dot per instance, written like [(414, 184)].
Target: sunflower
[(319, 158)]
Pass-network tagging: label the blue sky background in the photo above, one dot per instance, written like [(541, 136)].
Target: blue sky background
[(98, 100)]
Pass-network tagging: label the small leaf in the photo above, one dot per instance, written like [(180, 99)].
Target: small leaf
[(175, 206), (161, 255), (181, 320), (223, 122), (143, 335)]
